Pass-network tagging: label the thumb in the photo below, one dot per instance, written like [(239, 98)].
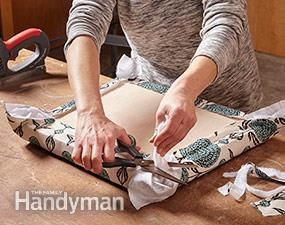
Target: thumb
[(160, 117), (125, 138)]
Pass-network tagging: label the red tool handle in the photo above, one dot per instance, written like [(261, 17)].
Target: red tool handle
[(22, 37), (10, 49)]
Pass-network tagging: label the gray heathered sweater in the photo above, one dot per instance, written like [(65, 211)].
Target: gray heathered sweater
[(165, 35)]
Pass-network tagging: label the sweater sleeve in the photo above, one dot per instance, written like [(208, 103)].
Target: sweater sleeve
[(89, 18), (222, 28)]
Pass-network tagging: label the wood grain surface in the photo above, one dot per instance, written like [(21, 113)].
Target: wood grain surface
[(25, 167), (267, 25), (50, 16)]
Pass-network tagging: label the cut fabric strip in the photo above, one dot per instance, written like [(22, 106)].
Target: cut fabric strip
[(273, 206), (274, 202)]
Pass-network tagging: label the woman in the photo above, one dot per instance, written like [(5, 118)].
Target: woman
[(200, 48)]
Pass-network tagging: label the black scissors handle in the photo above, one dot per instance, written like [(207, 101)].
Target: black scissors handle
[(131, 149)]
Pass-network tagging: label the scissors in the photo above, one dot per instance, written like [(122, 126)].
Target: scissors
[(138, 160)]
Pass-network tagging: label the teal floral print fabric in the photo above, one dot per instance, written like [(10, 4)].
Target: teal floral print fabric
[(203, 152), (273, 206), (207, 152), (211, 107)]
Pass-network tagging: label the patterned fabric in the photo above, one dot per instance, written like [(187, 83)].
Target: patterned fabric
[(203, 152), (273, 202), (217, 149), (216, 108), (203, 104), (157, 87), (273, 206), (209, 152)]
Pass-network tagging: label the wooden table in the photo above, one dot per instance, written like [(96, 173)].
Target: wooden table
[(24, 167)]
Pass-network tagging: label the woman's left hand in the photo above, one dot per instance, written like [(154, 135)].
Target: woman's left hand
[(177, 109)]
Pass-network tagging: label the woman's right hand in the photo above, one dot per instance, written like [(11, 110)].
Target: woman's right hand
[(95, 139)]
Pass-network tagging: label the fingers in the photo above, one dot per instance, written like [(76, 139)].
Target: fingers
[(179, 135), (169, 130), (97, 158), (109, 154), (86, 156), (76, 154), (95, 141), (165, 146), (151, 140)]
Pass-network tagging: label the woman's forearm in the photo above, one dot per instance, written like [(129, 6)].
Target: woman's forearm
[(199, 75), (83, 73), (95, 134)]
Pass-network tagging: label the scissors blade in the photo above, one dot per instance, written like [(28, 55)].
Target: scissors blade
[(118, 162), (182, 165), (148, 162), (159, 172)]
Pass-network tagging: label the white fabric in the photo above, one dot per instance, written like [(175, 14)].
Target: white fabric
[(127, 68), (21, 111), (145, 188), (273, 111), (240, 186), (238, 189), (159, 161)]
